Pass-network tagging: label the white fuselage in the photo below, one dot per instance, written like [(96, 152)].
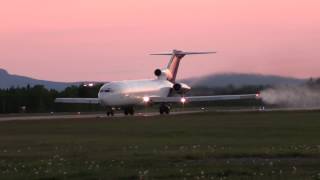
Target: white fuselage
[(132, 92)]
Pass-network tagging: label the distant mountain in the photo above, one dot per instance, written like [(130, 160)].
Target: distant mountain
[(239, 79), (8, 80), (217, 80)]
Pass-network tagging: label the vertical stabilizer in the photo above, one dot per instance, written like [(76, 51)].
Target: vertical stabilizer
[(174, 62)]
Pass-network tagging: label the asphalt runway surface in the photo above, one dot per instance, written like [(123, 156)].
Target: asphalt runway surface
[(58, 116), (83, 116)]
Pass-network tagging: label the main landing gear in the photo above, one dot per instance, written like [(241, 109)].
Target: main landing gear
[(110, 112), (164, 109), (128, 110)]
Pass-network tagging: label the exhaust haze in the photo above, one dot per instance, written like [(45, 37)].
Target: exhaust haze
[(292, 96)]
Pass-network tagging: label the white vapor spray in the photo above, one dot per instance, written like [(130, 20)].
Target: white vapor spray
[(292, 96)]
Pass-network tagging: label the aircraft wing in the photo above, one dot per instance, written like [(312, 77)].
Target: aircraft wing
[(202, 98), (77, 100)]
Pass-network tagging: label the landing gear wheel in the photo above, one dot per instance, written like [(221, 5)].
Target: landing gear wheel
[(128, 110), (164, 109), (110, 113), (131, 111)]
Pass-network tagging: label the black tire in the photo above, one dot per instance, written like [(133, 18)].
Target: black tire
[(129, 110), (126, 112), (164, 109)]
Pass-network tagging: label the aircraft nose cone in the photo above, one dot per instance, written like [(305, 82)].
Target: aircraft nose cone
[(102, 99)]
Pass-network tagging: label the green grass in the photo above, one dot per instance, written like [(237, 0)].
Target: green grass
[(257, 145)]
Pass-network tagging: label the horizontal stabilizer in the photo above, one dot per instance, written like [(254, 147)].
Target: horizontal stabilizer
[(176, 52)]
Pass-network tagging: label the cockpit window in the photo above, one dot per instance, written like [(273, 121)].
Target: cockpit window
[(105, 90)]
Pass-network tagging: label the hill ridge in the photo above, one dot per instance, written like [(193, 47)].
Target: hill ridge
[(8, 80)]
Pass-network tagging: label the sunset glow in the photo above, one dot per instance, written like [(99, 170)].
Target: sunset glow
[(100, 40)]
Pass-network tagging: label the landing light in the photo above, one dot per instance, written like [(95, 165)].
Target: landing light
[(183, 100), (146, 99)]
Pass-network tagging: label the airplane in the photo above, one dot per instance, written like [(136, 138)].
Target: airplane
[(163, 90)]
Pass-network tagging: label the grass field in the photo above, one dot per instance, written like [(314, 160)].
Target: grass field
[(257, 145)]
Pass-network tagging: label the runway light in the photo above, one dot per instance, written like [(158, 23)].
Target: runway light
[(183, 100), (146, 99)]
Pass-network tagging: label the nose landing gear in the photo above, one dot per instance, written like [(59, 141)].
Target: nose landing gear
[(110, 112)]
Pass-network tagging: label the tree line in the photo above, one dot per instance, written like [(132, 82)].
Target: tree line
[(38, 99)]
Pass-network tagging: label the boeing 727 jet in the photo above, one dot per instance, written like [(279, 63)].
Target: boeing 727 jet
[(162, 90)]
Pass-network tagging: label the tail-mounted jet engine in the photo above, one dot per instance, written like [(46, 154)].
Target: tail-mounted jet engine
[(157, 72), (163, 73), (181, 88)]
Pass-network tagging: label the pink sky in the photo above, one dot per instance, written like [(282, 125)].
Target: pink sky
[(102, 40)]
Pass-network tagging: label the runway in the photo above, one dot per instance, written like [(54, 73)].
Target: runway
[(60, 116), (84, 116)]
